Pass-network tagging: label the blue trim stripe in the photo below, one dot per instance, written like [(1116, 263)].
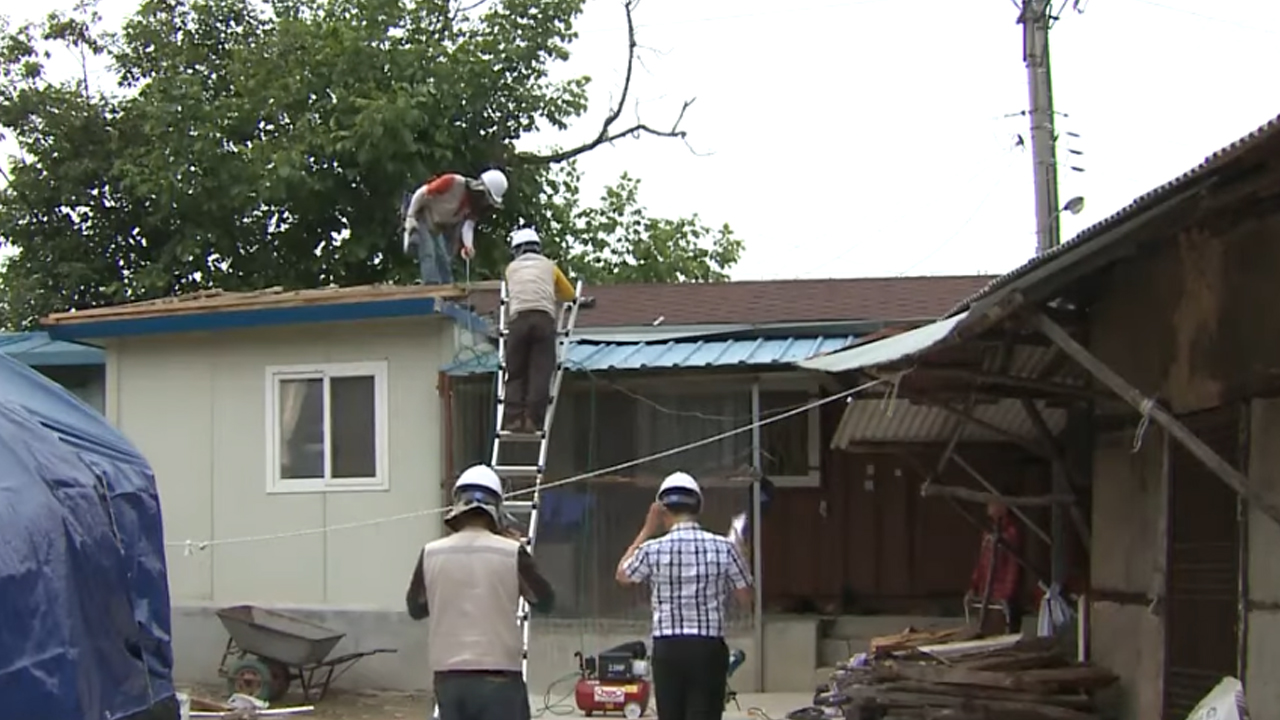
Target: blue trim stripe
[(261, 317)]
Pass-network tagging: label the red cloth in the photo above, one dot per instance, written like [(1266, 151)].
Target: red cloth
[(1006, 582)]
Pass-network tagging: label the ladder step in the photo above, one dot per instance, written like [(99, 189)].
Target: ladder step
[(520, 505), (510, 436), (518, 470)]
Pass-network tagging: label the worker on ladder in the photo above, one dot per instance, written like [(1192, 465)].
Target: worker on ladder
[(443, 213), (466, 585), (534, 286)]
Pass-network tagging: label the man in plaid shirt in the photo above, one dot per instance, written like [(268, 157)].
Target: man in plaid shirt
[(691, 574)]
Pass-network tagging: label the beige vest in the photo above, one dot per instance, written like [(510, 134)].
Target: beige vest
[(450, 208), (473, 586), (531, 285)]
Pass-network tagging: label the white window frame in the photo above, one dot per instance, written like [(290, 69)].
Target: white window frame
[(814, 478), (274, 375)]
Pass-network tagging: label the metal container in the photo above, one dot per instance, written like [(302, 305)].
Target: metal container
[(276, 636)]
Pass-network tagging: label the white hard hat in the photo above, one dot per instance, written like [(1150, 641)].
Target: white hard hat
[(479, 476), (495, 184), (679, 488), (477, 488), (524, 236)]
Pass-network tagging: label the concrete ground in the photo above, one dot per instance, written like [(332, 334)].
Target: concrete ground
[(388, 706)]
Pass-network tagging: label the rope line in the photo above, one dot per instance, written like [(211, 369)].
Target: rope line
[(190, 546)]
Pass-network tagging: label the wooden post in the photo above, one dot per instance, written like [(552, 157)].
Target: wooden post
[(1148, 407), (1060, 467)]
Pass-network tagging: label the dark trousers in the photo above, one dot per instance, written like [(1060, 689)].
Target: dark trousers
[(689, 677), (531, 360), (467, 695)]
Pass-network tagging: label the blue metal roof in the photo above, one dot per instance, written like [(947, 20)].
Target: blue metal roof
[(37, 349), (679, 354)]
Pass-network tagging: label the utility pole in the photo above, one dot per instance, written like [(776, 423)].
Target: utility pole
[(1035, 16)]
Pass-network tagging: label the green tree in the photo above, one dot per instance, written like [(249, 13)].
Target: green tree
[(247, 144)]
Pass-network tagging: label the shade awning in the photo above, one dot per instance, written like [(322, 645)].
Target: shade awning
[(891, 349)]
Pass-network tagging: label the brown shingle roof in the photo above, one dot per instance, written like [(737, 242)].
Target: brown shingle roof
[(769, 301)]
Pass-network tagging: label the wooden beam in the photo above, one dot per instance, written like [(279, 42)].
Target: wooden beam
[(985, 497), (1149, 408), (1043, 387), (1013, 508)]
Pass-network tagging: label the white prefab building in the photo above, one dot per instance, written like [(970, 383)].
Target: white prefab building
[(269, 417)]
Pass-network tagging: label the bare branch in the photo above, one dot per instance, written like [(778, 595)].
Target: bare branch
[(607, 132)]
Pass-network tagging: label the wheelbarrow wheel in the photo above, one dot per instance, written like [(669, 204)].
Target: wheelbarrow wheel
[(280, 680), (253, 677)]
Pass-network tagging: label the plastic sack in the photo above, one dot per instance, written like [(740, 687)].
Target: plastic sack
[(1224, 702), (1054, 612)]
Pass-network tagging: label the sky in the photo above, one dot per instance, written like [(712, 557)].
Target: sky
[(869, 138)]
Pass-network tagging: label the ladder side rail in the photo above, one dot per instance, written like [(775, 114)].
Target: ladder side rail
[(500, 376)]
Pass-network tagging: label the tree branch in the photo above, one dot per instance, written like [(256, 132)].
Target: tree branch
[(607, 132)]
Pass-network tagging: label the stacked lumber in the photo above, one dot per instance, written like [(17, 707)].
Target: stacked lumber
[(951, 675)]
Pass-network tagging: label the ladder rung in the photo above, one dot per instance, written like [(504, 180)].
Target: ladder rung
[(518, 470), (535, 436), (520, 505)]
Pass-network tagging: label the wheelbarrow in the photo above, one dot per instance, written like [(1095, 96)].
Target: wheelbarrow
[(268, 650)]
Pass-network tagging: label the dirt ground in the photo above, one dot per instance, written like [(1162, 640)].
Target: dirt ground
[(339, 705)]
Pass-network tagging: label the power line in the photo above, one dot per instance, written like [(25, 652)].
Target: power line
[(192, 545), (1258, 27)]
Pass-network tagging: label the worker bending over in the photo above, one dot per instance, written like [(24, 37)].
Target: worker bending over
[(467, 585), (691, 573), (442, 213), (534, 287)]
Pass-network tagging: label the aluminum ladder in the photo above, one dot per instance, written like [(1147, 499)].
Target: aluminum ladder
[(527, 478)]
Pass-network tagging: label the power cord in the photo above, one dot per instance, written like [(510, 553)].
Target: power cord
[(561, 704)]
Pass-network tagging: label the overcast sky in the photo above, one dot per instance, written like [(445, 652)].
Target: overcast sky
[(877, 137)]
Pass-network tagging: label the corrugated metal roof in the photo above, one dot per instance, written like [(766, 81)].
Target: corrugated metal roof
[(890, 349), (1139, 204), (679, 354), (877, 421), (39, 350)]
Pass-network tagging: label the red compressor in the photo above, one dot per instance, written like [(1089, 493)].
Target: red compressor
[(615, 681)]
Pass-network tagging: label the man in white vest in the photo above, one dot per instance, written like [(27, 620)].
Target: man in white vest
[(534, 287), (467, 586)]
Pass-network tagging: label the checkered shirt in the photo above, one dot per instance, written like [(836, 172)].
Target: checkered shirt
[(690, 573)]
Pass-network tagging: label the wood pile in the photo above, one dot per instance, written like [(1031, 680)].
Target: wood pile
[(951, 675)]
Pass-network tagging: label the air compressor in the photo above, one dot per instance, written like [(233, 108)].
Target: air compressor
[(614, 681)]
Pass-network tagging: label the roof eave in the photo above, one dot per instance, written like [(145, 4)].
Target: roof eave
[(69, 328)]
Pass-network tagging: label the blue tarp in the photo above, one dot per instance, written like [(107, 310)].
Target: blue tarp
[(84, 598)]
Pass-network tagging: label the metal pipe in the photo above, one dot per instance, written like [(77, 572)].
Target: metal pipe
[(758, 463)]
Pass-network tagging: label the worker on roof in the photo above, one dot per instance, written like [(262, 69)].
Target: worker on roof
[(691, 573), (443, 213), (467, 585), (534, 286)]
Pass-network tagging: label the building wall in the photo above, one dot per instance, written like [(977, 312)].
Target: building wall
[(1127, 569), (1262, 653), (1185, 323), (195, 406)]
